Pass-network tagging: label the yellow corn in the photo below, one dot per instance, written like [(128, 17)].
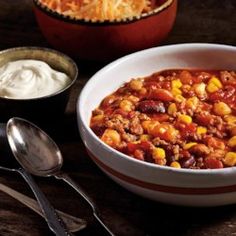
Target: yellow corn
[(214, 85), (111, 137), (211, 88), (232, 142), (136, 84), (172, 109), (175, 164), (176, 83), (133, 98), (185, 118), (176, 91), (201, 130), (221, 109), (189, 145), (192, 103), (126, 105), (230, 119), (230, 159), (158, 153), (145, 137), (179, 98)]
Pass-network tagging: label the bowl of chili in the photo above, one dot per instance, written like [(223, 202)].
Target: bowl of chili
[(162, 123)]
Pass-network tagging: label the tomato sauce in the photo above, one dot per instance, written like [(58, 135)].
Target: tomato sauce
[(178, 118)]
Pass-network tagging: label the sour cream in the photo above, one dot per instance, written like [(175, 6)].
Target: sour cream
[(25, 79)]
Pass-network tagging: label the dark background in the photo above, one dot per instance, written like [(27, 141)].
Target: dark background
[(211, 21)]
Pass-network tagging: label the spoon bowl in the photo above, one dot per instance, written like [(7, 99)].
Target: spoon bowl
[(33, 148)]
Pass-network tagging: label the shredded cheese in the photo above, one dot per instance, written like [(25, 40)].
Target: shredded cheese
[(99, 10)]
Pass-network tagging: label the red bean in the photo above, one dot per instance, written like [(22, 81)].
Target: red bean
[(187, 162), (151, 106)]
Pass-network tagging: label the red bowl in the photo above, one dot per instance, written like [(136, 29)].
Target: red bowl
[(108, 39)]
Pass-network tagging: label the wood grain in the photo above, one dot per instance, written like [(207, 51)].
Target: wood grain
[(210, 21)]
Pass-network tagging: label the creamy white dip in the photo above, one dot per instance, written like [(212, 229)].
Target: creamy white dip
[(25, 79)]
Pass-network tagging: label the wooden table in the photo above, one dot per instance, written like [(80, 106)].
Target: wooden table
[(125, 213)]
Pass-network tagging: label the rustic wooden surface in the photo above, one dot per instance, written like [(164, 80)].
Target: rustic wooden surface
[(125, 213)]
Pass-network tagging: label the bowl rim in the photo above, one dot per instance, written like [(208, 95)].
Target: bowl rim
[(81, 120), (69, 19), (43, 49)]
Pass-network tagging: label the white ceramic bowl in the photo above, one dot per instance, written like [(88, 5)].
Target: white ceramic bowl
[(165, 184)]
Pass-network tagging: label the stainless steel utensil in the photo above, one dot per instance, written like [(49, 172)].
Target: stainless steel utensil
[(74, 224), (53, 220), (40, 155)]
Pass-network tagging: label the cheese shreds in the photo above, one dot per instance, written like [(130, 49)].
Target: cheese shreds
[(99, 10)]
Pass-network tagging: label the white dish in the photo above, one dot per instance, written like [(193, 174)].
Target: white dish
[(165, 184)]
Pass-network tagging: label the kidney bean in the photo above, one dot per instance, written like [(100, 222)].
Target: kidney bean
[(187, 162), (151, 106), (98, 129), (170, 159)]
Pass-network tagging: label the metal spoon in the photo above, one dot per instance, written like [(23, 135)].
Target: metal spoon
[(53, 220), (40, 155), (73, 223)]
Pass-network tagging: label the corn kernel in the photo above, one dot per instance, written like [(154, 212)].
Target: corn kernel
[(176, 91), (172, 109), (175, 164), (179, 98), (111, 137), (189, 145), (126, 105), (230, 159), (176, 83), (232, 141), (214, 85), (192, 103), (185, 118), (136, 84), (158, 153), (221, 109), (133, 98), (216, 81), (145, 137), (211, 88), (201, 130), (230, 119)]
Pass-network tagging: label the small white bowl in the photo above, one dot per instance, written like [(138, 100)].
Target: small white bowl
[(165, 184)]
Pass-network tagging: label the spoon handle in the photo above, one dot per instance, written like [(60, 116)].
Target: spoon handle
[(54, 222), (73, 223), (83, 193)]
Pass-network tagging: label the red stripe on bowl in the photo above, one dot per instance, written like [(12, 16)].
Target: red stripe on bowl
[(163, 188)]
